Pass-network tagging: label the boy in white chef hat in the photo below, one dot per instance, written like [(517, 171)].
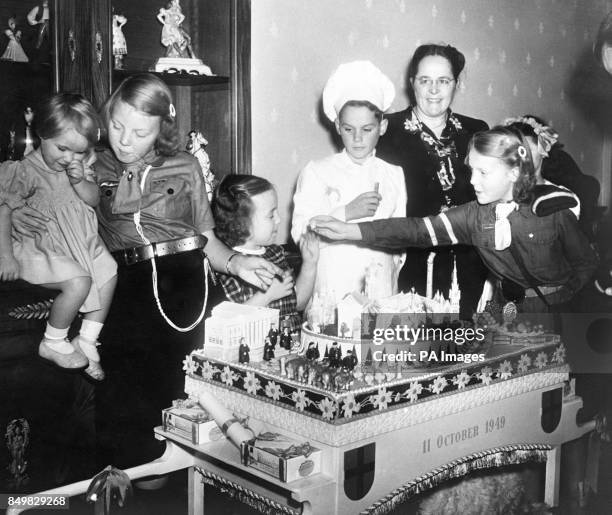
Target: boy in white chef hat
[(353, 185)]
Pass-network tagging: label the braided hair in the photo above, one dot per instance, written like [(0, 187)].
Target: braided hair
[(232, 206)]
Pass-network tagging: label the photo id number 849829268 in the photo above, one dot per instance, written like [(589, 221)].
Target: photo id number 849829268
[(35, 501)]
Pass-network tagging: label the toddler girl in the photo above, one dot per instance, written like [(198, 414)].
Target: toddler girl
[(549, 257), (69, 256), (245, 208)]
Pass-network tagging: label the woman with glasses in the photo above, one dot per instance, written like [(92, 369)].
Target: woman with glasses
[(429, 142)]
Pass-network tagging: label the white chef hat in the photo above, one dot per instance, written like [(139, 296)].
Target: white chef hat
[(357, 80)]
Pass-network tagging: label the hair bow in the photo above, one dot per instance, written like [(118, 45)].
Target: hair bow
[(546, 135)]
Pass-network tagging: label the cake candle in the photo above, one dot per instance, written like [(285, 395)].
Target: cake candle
[(430, 262)]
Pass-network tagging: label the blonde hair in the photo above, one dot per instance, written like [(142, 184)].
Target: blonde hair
[(150, 95), (511, 147)]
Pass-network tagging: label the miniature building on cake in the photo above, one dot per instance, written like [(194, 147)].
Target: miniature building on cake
[(229, 322)]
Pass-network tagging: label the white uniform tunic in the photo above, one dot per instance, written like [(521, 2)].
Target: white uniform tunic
[(325, 187)]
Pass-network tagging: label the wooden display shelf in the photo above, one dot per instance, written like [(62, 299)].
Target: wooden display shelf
[(176, 79)]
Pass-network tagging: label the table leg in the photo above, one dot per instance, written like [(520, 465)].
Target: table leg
[(553, 474), (195, 492)]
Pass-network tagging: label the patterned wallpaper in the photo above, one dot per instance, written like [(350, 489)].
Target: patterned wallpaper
[(522, 57)]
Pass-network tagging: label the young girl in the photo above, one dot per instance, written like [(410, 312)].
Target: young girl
[(69, 256), (552, 248), (245, 208), (553, 165)]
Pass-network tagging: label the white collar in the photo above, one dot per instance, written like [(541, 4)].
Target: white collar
[(348, 159)]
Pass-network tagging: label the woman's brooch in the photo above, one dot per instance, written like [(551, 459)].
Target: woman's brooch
[(412, 126)]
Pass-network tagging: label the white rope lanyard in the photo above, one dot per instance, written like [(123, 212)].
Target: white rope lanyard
[(154, 271)]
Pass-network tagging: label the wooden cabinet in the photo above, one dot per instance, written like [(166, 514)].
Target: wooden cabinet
[(218, 106), (83, 50), (22, 84)]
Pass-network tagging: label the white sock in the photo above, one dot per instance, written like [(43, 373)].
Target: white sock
[(90, 330), (88, 336), (56, 339)]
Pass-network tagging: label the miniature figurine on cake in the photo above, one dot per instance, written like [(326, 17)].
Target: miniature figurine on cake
[(119, 43), (335, 355), (273, 334), (179, 53), (245, 209), (312, 353), (14, 51), (268, 353), (243, 352), (353, 185), (349, 362), (286, 342)]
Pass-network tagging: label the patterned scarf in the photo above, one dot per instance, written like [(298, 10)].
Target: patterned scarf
[(129, 196), (442, 149)]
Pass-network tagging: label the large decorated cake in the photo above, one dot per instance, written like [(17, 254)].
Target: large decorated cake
[(287, 383)]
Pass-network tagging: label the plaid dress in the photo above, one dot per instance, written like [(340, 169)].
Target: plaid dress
[(237, 290)]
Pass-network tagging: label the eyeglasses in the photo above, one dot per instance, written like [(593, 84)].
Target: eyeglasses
[(428, 82)]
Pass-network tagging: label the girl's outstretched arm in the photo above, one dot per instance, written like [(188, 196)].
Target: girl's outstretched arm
[(334, 229)]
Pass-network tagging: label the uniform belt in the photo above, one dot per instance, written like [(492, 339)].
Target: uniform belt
[(135, 255), (546, 290)]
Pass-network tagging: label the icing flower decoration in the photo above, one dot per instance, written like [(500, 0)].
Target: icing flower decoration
[(559, 355), (486, 375), (207, 370), (541, 360), (524, 363), (505, 369), (438, 385), (461, 380), (350, 406), (414, 390), (299, 397), (189, 365), (328, 408), (382, 399), (273, 390), (227, 376), (251, 383)]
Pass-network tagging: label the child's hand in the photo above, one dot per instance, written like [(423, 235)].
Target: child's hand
[(280, 288), (75, 172), (9, 268), (362, 206), (309, 247)]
